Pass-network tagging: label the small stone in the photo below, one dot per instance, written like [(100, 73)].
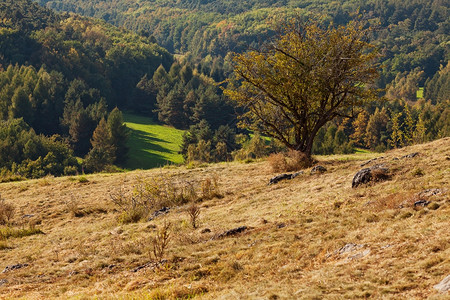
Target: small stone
[(231, 232), (206, 230), (421, 203), (411, 155), (3, 281), (281, 225), (160, 212), (318, 169), (371, 160), (444, 285), (429, 193), (349, 248), (14, 267)]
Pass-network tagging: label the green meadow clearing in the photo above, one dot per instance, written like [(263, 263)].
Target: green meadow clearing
[(151, 145)]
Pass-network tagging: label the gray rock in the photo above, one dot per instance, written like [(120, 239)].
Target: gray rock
[(318, 169), (160, 212), (411, 155), (3, 282), (422, 203), (151, 264), (349, 248), (430, 192), (280, 177), (14, 267), (444, 285), (366, 175), (232, 232), (371, 160)]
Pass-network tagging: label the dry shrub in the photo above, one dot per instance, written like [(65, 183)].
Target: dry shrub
[(277, 162), (6, 212), (290, 161), (193, 211), (393, 201), (210, 188), (297, 160), (161, 241), (159, 192), (379, 174)]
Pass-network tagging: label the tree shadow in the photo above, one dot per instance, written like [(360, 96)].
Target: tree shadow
[(144, 153)]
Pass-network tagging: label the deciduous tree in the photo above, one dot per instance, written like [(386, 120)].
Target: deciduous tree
[(306, 77)]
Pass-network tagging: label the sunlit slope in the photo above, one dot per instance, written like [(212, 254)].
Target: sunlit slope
[(151, 145)]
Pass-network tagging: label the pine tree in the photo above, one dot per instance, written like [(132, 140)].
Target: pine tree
[(409, 126), (419, 132), (103, 151), (397, 133), (119, 134)]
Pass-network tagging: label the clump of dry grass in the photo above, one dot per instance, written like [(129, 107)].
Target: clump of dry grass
[(193, 212), (289, 161), (6, 212), (160, 241)]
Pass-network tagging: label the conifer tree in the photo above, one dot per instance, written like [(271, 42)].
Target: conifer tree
[(419, 132), (119, 135), (397, 133)]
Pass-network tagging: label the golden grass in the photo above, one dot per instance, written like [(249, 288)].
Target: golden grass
[(293, 247)]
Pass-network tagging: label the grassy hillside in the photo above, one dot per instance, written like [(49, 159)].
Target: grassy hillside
[(312, 237), (151, 145)]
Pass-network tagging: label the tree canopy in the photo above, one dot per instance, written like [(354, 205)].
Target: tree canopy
[(304, 78)]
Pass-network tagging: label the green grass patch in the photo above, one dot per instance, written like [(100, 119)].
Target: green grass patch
[(360, 150), (151, 145), (9, 232)]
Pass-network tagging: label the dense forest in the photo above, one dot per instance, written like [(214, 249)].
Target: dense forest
[(412, 36), (64, 77)]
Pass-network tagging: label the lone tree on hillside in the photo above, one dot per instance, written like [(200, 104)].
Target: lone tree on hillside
[(304, 78)]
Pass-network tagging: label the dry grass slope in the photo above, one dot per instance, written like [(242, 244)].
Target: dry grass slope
[(311, 237)]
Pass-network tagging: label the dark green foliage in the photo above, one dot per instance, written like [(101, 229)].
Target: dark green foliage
[(202, 144), (118, 135), (30, 155), (103, 150)]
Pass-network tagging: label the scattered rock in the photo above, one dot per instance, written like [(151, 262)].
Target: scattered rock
[(318, 169), (429, 193), (206, 230), (411, 155), (366, 175), (14, 267), (359, 255), (231, 232), (73, 273), (281, 225), (371, 160), (280, 177), (27, 216), (160, 212), (422, 203), (349, 248), (3, 281), (151, 264), (444, 285)]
